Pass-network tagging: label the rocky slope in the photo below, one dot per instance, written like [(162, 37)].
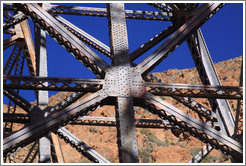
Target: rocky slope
[(154, 145)]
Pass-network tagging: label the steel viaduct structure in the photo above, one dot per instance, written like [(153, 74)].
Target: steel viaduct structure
[(121, 83)]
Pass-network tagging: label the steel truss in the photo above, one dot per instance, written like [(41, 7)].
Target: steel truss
[(123, 84)]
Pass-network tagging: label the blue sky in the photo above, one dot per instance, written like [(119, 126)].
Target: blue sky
[(223, 34)]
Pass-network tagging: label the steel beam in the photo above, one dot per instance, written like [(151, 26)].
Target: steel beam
[(43, 125), (11, 41), (194, 126), (160, 6), (18, 71), (83, 53), (30, 49), (202, 154), (108, 121), (126, 130), (20, 101), (196, 107), (153, 41), (178, 37), (32, 153), (80, 146), (85, 37), (103, 12), (13, 20), (199, 91), (11, 60), (42, 96), (16, 118), (6, 14), (57, 148), (188, 102), (209, 76), (239, 110), (9, 6), (52, 83)]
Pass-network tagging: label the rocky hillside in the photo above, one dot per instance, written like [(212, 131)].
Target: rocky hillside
[(154, 145)]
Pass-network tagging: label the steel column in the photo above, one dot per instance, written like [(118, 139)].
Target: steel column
[(42, 96), (126, 130)]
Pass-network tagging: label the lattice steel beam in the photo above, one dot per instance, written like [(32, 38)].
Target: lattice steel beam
[(196, 128), (202, 154), (20, 101), (16, 118), (13, 20), (239, 110), (32, 153), (199, 91), (85, 37), (121, 82), (188, 102), (52, 83), (13, 40), (107, 121), (81, 52), (160, 6), (102, 12), (57, 148), (18, 71), (153, 41), (80, 146), (42, 126), (11, 60)]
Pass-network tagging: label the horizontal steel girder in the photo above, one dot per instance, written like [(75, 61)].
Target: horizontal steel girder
[(199, 91), (42, 126), (51, 83), (188, 102), (160, 6), (107, 121), (102, 12), (17, 118), (162, 89)]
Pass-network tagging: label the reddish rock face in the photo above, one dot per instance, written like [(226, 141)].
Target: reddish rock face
[(169, 155)]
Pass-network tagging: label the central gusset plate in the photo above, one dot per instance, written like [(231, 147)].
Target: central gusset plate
[(124, 82)]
